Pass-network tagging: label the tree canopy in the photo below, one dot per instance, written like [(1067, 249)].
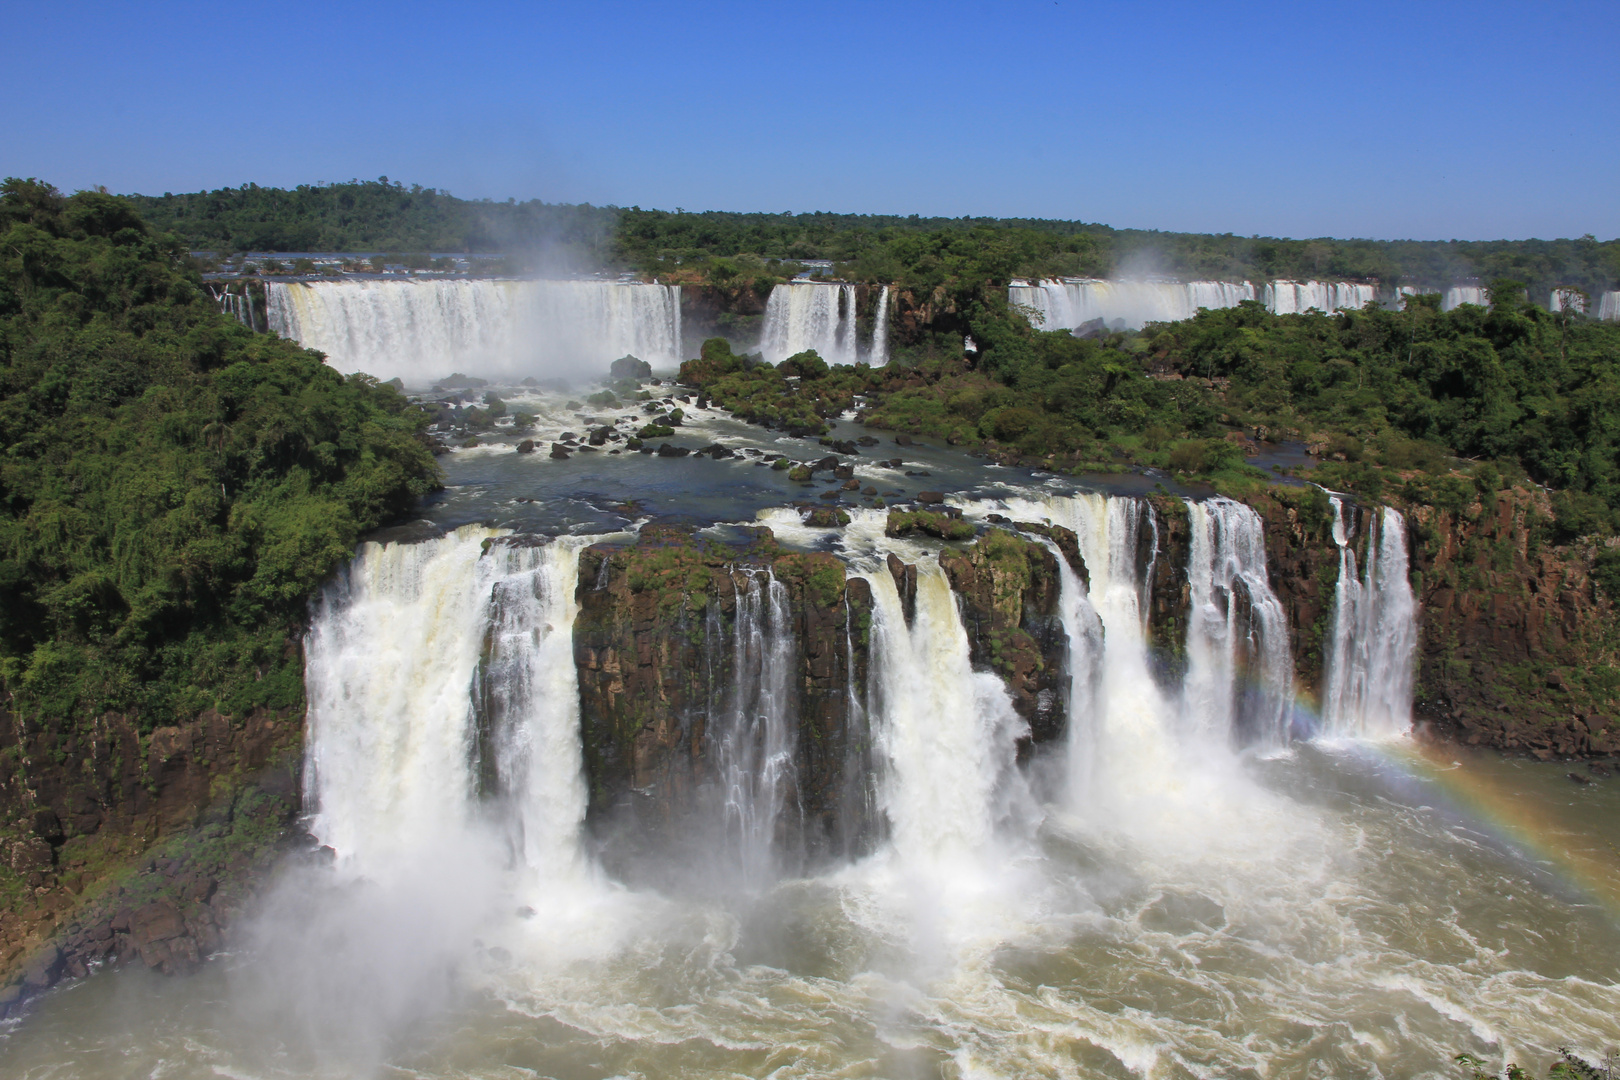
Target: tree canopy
[(173, 486)]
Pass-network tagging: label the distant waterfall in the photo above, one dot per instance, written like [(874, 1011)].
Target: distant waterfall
[(1367, 674), (239, 306), (1240, 677), (1561, 299), (755, 718), (1458, 295), (441, 678), (820, 315), (945, 733), (423, 331), (1609, 306), (1292, 297), (1072, 302), (880, 331)]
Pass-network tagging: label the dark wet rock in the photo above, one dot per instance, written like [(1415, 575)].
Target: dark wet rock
[(669, 451), (559, 451), (843, 472), (526, 446), (851, 485), (867, 440), (903, 440), (826, 517), (930, 497), (628, 367), (825, 464), (833, 494)]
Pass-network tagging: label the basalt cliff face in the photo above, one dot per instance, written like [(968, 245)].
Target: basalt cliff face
[(727, 687)]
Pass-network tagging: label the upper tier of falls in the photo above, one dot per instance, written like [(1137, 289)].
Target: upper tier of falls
[(423, 331), (1070, 303), (818, 315)]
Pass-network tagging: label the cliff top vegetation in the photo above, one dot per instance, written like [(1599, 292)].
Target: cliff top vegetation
[(173, 486)]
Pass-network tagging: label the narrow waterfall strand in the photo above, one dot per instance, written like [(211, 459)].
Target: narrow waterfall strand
[(757, 722), (879, 356), (1367, 684), (1239, 682)]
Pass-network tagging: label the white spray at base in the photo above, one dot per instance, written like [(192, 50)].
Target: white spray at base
[(1367, 673), (423, 331)]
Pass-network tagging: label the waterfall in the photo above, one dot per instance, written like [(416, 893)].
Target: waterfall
[(945, 733), (756, 718), (1560, 299), (1125, 744), (1240, 673), (1458, 295), (1072, 302), (815, 315), (1086, 649), (1367, 671), (1609, 306), (438, 672), (1291, 297), (423, 331), (879, 355)]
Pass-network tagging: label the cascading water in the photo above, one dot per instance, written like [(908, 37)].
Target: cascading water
[(1291, 297), (437, 672), (423, 331), (946, 734), (1072, 302), (755, 719), (880, 330), (1458, 295), (1367, 674), (816, 315), (1609, 306), (1240, 672)]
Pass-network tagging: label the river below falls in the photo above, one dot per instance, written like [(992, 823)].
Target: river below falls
[(1344, 910)]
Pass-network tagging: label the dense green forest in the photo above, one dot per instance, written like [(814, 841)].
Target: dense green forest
[(382, 215), (377, 216), (1408, 403), (173, 486)]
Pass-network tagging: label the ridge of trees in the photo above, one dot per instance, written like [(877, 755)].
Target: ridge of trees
[(173, 486), (384, 215)]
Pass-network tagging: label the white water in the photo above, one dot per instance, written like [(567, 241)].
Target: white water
[(1560, 299), (1458, 295), (1297, 916), (819, 315), (423, 331), (396, 697), (1240, 675), (1292, 297), (756, 721), (945, 732), (1609, 305), (1071, 302), (880, 330), (1368, 653)]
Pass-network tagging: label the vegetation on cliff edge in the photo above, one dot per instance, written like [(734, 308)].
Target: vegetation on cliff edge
[(172, 485)]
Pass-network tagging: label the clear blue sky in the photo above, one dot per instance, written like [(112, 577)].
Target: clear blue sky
[(1428, 120)]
